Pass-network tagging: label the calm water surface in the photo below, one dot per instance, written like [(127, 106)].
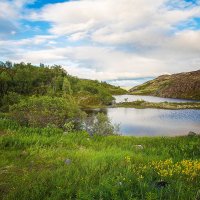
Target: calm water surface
[(154, 122), (129, 98)]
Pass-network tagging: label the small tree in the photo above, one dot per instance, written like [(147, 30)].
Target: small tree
[(100, 125), (44, 110), (66, 87), (105, 96)]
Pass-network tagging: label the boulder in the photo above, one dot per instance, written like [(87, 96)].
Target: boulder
[(192, 133)]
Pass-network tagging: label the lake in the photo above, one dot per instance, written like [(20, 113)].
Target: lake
[(129, 98), (150, 121), (153, 122)]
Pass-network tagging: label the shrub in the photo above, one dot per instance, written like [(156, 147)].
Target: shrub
[(9, 99), (43, 110), (105, 96), (100, 125)]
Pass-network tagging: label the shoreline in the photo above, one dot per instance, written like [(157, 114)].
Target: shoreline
[(151, 95), (161, 105)]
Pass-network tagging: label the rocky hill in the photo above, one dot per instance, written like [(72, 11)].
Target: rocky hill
[(184, 85)]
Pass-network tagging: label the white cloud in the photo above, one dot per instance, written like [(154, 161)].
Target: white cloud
[(111, 39), (115, 21), (30, 42), (11, 11), (101, 63)]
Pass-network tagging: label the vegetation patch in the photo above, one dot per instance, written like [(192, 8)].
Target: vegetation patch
[(46, 163), (20, 81), (162, 105), (182, 85)]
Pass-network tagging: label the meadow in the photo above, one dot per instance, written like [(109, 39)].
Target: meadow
[(47, 163)]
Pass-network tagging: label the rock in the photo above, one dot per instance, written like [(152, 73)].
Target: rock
[(192, 133), (120, 183), (23, 154), (161, 184), (67, 161), (139, 146)]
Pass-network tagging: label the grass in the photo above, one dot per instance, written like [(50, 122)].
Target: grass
[(162, 105), (48, 164)]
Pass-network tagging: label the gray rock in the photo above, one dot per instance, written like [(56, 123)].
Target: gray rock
[(192, 133), (139, 146), (161, 184), (67, 161)]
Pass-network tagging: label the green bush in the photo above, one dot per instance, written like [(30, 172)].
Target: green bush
[(100, 124), (105, 96), (44, 110), (9, 99)]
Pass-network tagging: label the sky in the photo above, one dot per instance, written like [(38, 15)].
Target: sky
[(124, 42)]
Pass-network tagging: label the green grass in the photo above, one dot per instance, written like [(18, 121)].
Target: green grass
[(162, 105), (32, 165)]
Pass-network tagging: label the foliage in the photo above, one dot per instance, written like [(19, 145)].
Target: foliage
[(43, 110), (185, 169), (27, 80), (105, 96), (184, 85), (66, 87), (100, 124), (9, 99), (162, 105), (33, 165)]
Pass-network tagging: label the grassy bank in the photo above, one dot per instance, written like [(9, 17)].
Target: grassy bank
[(48, 164), (162, 105)]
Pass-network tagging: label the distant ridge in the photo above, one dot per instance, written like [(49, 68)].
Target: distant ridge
[(184, 85)]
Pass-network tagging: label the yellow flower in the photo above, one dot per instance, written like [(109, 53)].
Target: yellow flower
[(127, 159)]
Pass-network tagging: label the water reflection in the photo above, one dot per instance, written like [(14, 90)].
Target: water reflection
[(129, 98), (153, 122)]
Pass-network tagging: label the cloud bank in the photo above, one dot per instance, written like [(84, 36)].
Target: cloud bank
[(104, 39)]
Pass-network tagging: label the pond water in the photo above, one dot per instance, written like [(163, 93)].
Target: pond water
[(153, 122), (129, 98)]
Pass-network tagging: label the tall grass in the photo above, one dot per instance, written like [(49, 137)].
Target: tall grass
[(49, 164)]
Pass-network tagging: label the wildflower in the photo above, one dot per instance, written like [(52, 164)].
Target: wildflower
[(120, 183), (128, 159), (186, 168), (140, 178)]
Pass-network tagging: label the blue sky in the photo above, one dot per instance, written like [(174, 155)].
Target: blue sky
[(40, 3), (124, 42)]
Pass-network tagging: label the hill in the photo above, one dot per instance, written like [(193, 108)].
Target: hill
[(184, 85), (18, 81)]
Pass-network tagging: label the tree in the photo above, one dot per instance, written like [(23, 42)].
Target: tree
[(66, 87), (44, 110), (100, 124), (5, 79), (8, 64), (105, 96), (57, 84)]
